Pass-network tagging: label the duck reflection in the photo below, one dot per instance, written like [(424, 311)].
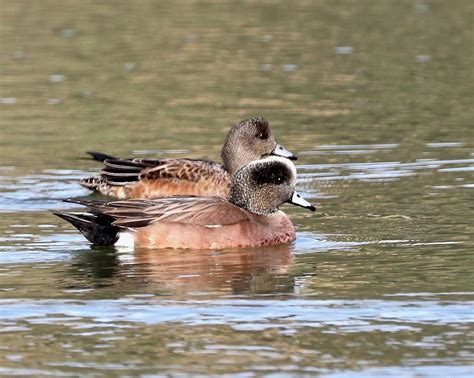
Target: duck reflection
[(98, 263), (242, 271), (235, 271)]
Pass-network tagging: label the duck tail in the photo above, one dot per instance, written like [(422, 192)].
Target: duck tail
[(97, 228), (99, 156), (95, 183)]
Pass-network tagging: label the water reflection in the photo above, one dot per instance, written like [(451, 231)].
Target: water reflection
[(247, 271), (97, 264)]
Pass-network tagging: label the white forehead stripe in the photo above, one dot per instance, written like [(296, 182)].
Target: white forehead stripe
[(273, 158)]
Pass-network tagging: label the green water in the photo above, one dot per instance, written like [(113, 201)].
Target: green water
[(376, 99)]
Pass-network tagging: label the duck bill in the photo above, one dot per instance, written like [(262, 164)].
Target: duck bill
[(283, 152), (297, 200)]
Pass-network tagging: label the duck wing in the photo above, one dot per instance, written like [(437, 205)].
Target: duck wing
[(126, 171), (122, 171), (201, 211), (181, 169), (150, 178)]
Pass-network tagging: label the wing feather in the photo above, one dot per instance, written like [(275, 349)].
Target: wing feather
[(203, 211), (125, 171)]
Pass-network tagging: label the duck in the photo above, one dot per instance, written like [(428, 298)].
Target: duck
[(250, 217), (144, 178)]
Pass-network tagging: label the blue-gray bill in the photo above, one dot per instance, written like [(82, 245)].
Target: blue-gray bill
[(283, 152), (297, 200)]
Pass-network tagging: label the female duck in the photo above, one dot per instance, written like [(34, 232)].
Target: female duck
[(250, 217), (246, 141)]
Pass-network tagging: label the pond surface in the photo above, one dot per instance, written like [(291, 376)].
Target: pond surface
[(375, 98)]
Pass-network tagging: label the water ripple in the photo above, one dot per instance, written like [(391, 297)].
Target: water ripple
[(243, 314)]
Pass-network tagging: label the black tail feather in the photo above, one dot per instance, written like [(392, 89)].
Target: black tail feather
[(97, 228), (84, 202), (99, 156), (121, 171), (126, 164)]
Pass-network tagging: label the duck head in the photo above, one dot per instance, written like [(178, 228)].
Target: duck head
[(249, 140), (263, 185)]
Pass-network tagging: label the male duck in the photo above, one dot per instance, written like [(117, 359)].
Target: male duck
[(249, 218), (246, 141)]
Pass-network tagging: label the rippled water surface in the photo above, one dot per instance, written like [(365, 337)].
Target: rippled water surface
[(376, 99)]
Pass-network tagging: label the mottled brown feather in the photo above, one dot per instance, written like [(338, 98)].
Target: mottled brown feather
[(152, 178)]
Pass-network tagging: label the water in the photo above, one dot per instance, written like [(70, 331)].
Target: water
[(376, 100)]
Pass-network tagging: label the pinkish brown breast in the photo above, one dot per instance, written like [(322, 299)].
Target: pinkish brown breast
[(258, 231)]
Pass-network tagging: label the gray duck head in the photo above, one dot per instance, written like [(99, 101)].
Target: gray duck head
[(249, 140)]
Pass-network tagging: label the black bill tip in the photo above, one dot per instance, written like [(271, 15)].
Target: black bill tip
[(297, 200), (283, 152)]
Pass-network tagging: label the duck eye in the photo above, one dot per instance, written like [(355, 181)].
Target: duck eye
[(261, 135)]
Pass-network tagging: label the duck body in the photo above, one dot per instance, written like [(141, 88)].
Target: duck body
[(179, 222), (248, 140), (248, 218), (249, 233), (247, 230)]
